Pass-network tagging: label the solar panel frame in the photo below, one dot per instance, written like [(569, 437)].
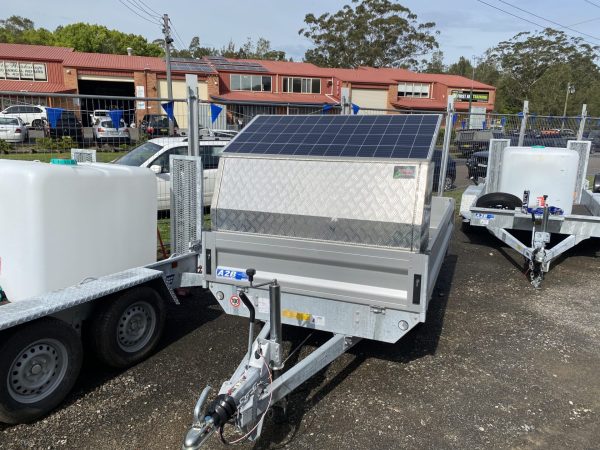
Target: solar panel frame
[(411, 136)]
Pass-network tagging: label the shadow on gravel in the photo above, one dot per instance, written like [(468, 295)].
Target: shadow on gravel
[(194, 311), (419, 342)]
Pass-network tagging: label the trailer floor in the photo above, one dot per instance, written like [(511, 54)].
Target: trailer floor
[(497, 365)]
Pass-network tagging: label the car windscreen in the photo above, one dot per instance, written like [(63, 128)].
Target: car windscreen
[(9, 121), (139, 155)]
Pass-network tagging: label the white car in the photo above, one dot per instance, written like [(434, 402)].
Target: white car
[(12, 129), (98, 114), (31, 115), (154, 154)]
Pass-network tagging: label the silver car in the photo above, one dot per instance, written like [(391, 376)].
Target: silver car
[(105, 133), (12, 129)]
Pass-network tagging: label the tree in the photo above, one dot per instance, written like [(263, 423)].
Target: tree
[(436, 63), (194, 50), (250, 50), (537, 66), (462, 67), (85, 37), (81, 36), (377, 33)]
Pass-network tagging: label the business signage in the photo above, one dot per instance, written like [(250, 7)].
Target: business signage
[(17, 70), (464, 96)]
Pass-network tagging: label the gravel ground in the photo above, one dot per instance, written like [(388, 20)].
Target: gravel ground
[(496, 365)]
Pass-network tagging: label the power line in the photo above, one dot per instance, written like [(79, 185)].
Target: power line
[(137, 4), (148, 6), (524, 19), (592, 3), (551, 21), (138, 14), (584, 21), (177, 34)]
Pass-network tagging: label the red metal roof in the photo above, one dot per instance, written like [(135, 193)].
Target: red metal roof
[(33, 52), (419, 103), (32, 86), (114, 62), (270, 97), (399, 75)]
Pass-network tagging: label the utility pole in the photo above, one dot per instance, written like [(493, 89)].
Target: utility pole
[(168, 40), (570, 90)]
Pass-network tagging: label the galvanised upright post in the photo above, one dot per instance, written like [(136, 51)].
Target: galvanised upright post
[(446, 145)]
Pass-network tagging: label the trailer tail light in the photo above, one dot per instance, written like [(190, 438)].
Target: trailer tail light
[(150, 130)]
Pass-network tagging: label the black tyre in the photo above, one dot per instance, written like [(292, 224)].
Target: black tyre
[(39, 364), (499, 200), (596, 184), (126, 330)]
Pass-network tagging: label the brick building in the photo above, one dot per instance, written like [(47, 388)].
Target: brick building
[(248, 87)]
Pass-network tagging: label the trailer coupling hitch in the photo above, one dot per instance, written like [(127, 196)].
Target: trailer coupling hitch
[(220, 410)]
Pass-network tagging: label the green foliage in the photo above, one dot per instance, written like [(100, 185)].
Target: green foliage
[(82, 37), (46, 144), (538, 67), (4, 146), (249, 50), (436, 63), (377, 33), (462, 67)]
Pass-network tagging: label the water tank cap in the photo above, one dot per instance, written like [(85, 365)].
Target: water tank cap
[(63, 162)]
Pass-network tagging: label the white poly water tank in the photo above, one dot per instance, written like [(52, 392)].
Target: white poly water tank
[(542, 171), (63, 223)]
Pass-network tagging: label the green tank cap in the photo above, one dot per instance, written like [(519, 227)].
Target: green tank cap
[(538, 146), (63, 162)]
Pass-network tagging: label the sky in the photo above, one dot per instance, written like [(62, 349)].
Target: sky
[(467, 27)]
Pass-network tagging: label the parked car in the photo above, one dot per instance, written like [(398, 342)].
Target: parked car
[(154, 154), (157, 125), (105, 132), (67, 125), (450, 171), (98, 114), (477, 164), (594, 136), (32, 115), (469, 141), (12, 129)]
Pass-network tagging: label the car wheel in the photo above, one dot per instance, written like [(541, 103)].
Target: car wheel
[(596, 185), (127, 329), (39, 364), (499, 200)]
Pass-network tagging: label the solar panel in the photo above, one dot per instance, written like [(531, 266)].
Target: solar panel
[(239, 67), (193, 67), (385, 136)]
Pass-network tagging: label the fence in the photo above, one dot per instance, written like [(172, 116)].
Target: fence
[(124, 129)]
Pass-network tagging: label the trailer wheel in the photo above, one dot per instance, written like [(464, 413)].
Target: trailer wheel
[(499, 200), (39, 364), (596, 186), (126, 330)]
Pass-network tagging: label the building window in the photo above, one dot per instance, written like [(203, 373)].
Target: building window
[(250, 83), (418, 90), (302, 85)]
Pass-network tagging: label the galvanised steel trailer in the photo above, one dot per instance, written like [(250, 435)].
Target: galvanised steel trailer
[(319, 237), (123, 313), (484, 206)]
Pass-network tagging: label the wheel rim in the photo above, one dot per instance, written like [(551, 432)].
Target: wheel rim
[(448, 183), (136, 327), (38, 370)]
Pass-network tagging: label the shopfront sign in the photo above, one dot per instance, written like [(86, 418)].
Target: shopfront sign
[(465, 96), (20, 70)]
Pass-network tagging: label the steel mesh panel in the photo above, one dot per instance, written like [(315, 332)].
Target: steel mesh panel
[(583, 150), (81, 155), (186, 202)]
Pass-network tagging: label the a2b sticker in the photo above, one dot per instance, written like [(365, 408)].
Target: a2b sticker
[(231, 274)]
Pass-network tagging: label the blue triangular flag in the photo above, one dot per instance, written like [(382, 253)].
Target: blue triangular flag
[(483, 125), (116, 115), (355, 108), (326, 108), (169, 107), (503, 121), (215, 110), (463, 124), (53, 115), (454, 117)]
